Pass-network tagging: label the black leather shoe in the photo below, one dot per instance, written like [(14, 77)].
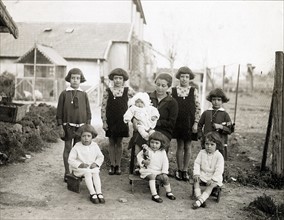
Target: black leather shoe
[(185, 176), (203, 205), (117, 170), (94, 199), (170, 196), (111, 170), (65, 178), (178, 175), (157, 199), (101, 198)]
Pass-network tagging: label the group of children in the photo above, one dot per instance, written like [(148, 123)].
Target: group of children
[(121, 106)]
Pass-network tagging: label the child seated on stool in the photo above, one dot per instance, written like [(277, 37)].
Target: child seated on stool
[(141, 109), (85, 159), (208, 168), (156, 166)]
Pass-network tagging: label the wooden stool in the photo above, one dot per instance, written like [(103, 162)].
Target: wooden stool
[(134, 179)]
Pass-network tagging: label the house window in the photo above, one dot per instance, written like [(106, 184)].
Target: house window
[(51, 71), (41, 71), (28, 71)]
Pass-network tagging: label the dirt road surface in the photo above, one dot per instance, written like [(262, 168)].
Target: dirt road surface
[(35, 190)]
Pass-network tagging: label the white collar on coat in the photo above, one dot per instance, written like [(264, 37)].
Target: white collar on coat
[(219, 109), (69, 88)]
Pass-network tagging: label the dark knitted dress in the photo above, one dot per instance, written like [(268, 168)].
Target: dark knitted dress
[(115, 109), (186, 116)]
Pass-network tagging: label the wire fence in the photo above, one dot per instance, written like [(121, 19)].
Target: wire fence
[(251, 103), (249, 107)]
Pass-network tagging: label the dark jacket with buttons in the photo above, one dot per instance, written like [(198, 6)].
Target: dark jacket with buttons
[(168, 109)]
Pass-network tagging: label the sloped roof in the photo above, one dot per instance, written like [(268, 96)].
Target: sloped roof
[(140, 9), (70, 40), (47, 52), (6, 22)]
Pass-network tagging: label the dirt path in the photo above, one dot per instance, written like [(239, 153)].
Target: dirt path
[(35, 190)]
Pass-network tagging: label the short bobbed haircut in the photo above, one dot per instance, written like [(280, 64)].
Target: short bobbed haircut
[(159, 137), (185, 70), (214, 137), (87, 128), (118, 72), (76, 71), (165, 76), (217, 93)]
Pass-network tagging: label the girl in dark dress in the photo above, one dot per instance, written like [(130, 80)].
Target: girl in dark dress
[(73, 111), (114, 105), (188, 116)]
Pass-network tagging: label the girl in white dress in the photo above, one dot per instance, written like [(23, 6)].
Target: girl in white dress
[(208, 168), (85, 159), (156, 166)]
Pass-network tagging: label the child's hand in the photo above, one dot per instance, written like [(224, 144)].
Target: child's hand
[(217, 126), (194, 127), (146, 162), (93, 165), (105, 126), (199, 135), (61, 131), (209, 182), (154, 118), (83, 165), (196, 178)]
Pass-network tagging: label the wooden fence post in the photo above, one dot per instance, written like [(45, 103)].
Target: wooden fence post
[(278, 117), (266, 143)]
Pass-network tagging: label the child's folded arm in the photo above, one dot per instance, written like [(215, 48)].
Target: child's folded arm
[(197, 165), (219, 169), (73, 162), (165, 165), (227, 128), (100, 158)]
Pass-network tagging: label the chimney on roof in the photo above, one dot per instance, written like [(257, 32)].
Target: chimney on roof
[(47, 29)]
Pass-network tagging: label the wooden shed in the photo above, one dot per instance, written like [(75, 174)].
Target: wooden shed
[(43, 74)]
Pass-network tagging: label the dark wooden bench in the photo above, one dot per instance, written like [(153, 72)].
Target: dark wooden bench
[(135, 180)]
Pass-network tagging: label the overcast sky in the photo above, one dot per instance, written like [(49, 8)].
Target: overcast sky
[(204, 33), (217, 33)]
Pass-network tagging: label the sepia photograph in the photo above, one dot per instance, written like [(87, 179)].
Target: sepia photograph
[(141, 109)]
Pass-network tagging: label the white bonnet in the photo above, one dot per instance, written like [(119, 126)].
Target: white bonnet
[(143, 96)]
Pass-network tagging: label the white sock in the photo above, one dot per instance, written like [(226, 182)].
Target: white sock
[(168, 188), (152, 184), (204, 196), (197, 192), (89, 183), (198, 203), (97, 182)]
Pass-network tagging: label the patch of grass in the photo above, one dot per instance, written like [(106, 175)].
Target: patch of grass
[(264, 207)]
